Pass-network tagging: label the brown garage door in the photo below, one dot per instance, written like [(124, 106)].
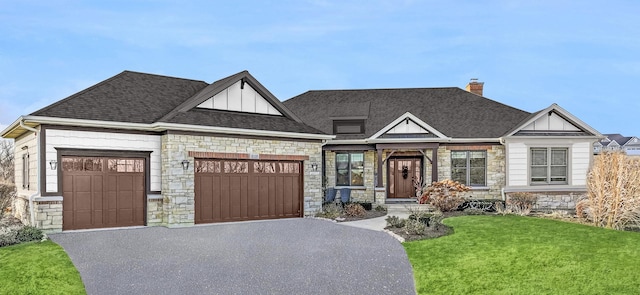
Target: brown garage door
[(102, 192), (234, 190)]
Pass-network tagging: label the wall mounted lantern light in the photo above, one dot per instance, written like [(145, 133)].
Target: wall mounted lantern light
[(314, 166), (185, 164), (53, 164)]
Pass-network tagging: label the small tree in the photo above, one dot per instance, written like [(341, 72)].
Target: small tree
[(6, 161), (7, 188), (445, 195), (613, 192)]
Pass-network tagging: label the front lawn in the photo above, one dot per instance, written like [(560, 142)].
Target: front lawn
[(526, 255), (38, 268)]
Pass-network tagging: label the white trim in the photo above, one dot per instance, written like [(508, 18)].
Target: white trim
[(413, 118), (546, 188), (161, 126)]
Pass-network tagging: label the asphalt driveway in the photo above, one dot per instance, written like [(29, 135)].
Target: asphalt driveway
[(289, 256)]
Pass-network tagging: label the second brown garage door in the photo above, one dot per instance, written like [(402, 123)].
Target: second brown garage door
[(235, 190)]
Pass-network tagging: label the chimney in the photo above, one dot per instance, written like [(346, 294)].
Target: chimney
[(475, 87)]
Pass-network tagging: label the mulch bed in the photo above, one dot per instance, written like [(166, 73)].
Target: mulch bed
[(431, 232), (368, 214)]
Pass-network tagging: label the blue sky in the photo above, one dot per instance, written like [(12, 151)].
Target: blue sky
[(583, 55)]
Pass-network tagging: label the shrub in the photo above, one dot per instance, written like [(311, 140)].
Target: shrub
[(354, 209), (380, 208), (330, 211), (521, 203), (444, 195), (414, 227), (501, 208), (613, 192), (395, 221), (28, 234), (8, 237)]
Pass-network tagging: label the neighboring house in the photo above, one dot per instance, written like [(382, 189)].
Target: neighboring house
[(142, 149), (387, 140), (617, 142)]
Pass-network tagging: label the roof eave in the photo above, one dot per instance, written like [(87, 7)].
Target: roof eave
[(161, 126)]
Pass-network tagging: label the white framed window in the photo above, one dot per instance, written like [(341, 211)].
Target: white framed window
[(469, 167), (549, 165), (350, 169)]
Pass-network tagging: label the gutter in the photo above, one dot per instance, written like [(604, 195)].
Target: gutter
[(161, 126)]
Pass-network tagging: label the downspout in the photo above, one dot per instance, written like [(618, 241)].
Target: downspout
[(32, 216), (504, 198)]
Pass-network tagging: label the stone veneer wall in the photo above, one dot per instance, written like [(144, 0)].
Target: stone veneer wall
[(178, 184), (48, 215), (154, 212), (358, 194), (496, 169), (557, 201)]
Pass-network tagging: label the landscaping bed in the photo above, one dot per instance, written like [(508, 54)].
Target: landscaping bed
[(351, 211)]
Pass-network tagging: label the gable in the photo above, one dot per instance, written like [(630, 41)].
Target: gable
[(407, 126), (551, 122), (240, 97)]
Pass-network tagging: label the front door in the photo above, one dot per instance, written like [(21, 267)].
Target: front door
[(404, 172)]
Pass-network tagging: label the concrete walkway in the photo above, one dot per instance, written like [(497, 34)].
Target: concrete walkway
[(288, 256), (379, 223)]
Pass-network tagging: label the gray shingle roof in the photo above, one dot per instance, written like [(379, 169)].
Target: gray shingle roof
[(127, 97), (452, 111), (208, 117), (146, 98)]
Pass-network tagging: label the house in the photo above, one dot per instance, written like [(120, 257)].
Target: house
[(140, 149), (617, 142), (389, 140), (147, 150)]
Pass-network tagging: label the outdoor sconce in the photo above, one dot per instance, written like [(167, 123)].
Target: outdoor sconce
[(314, 166), (53, 164), (185, 165)]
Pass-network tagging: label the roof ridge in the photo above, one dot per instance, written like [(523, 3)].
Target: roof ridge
[(370, 89), (163, 76)]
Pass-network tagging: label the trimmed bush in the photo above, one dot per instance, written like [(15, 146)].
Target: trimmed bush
[(395, 221), (414, 227), (28, 234)]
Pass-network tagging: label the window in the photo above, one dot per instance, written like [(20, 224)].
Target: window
[(469, 167), (348, 127), (549, 165), (350, 169), (25, 171)]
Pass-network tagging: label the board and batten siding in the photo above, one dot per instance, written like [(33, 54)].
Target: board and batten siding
[(26, 144), (518, 159), (103, 141)]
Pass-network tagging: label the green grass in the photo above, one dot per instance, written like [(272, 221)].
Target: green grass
[(38, 268), (525, 255)]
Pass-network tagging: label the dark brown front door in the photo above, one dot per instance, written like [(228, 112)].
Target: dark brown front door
[(235, 190), (102, 192), (402, 172)]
